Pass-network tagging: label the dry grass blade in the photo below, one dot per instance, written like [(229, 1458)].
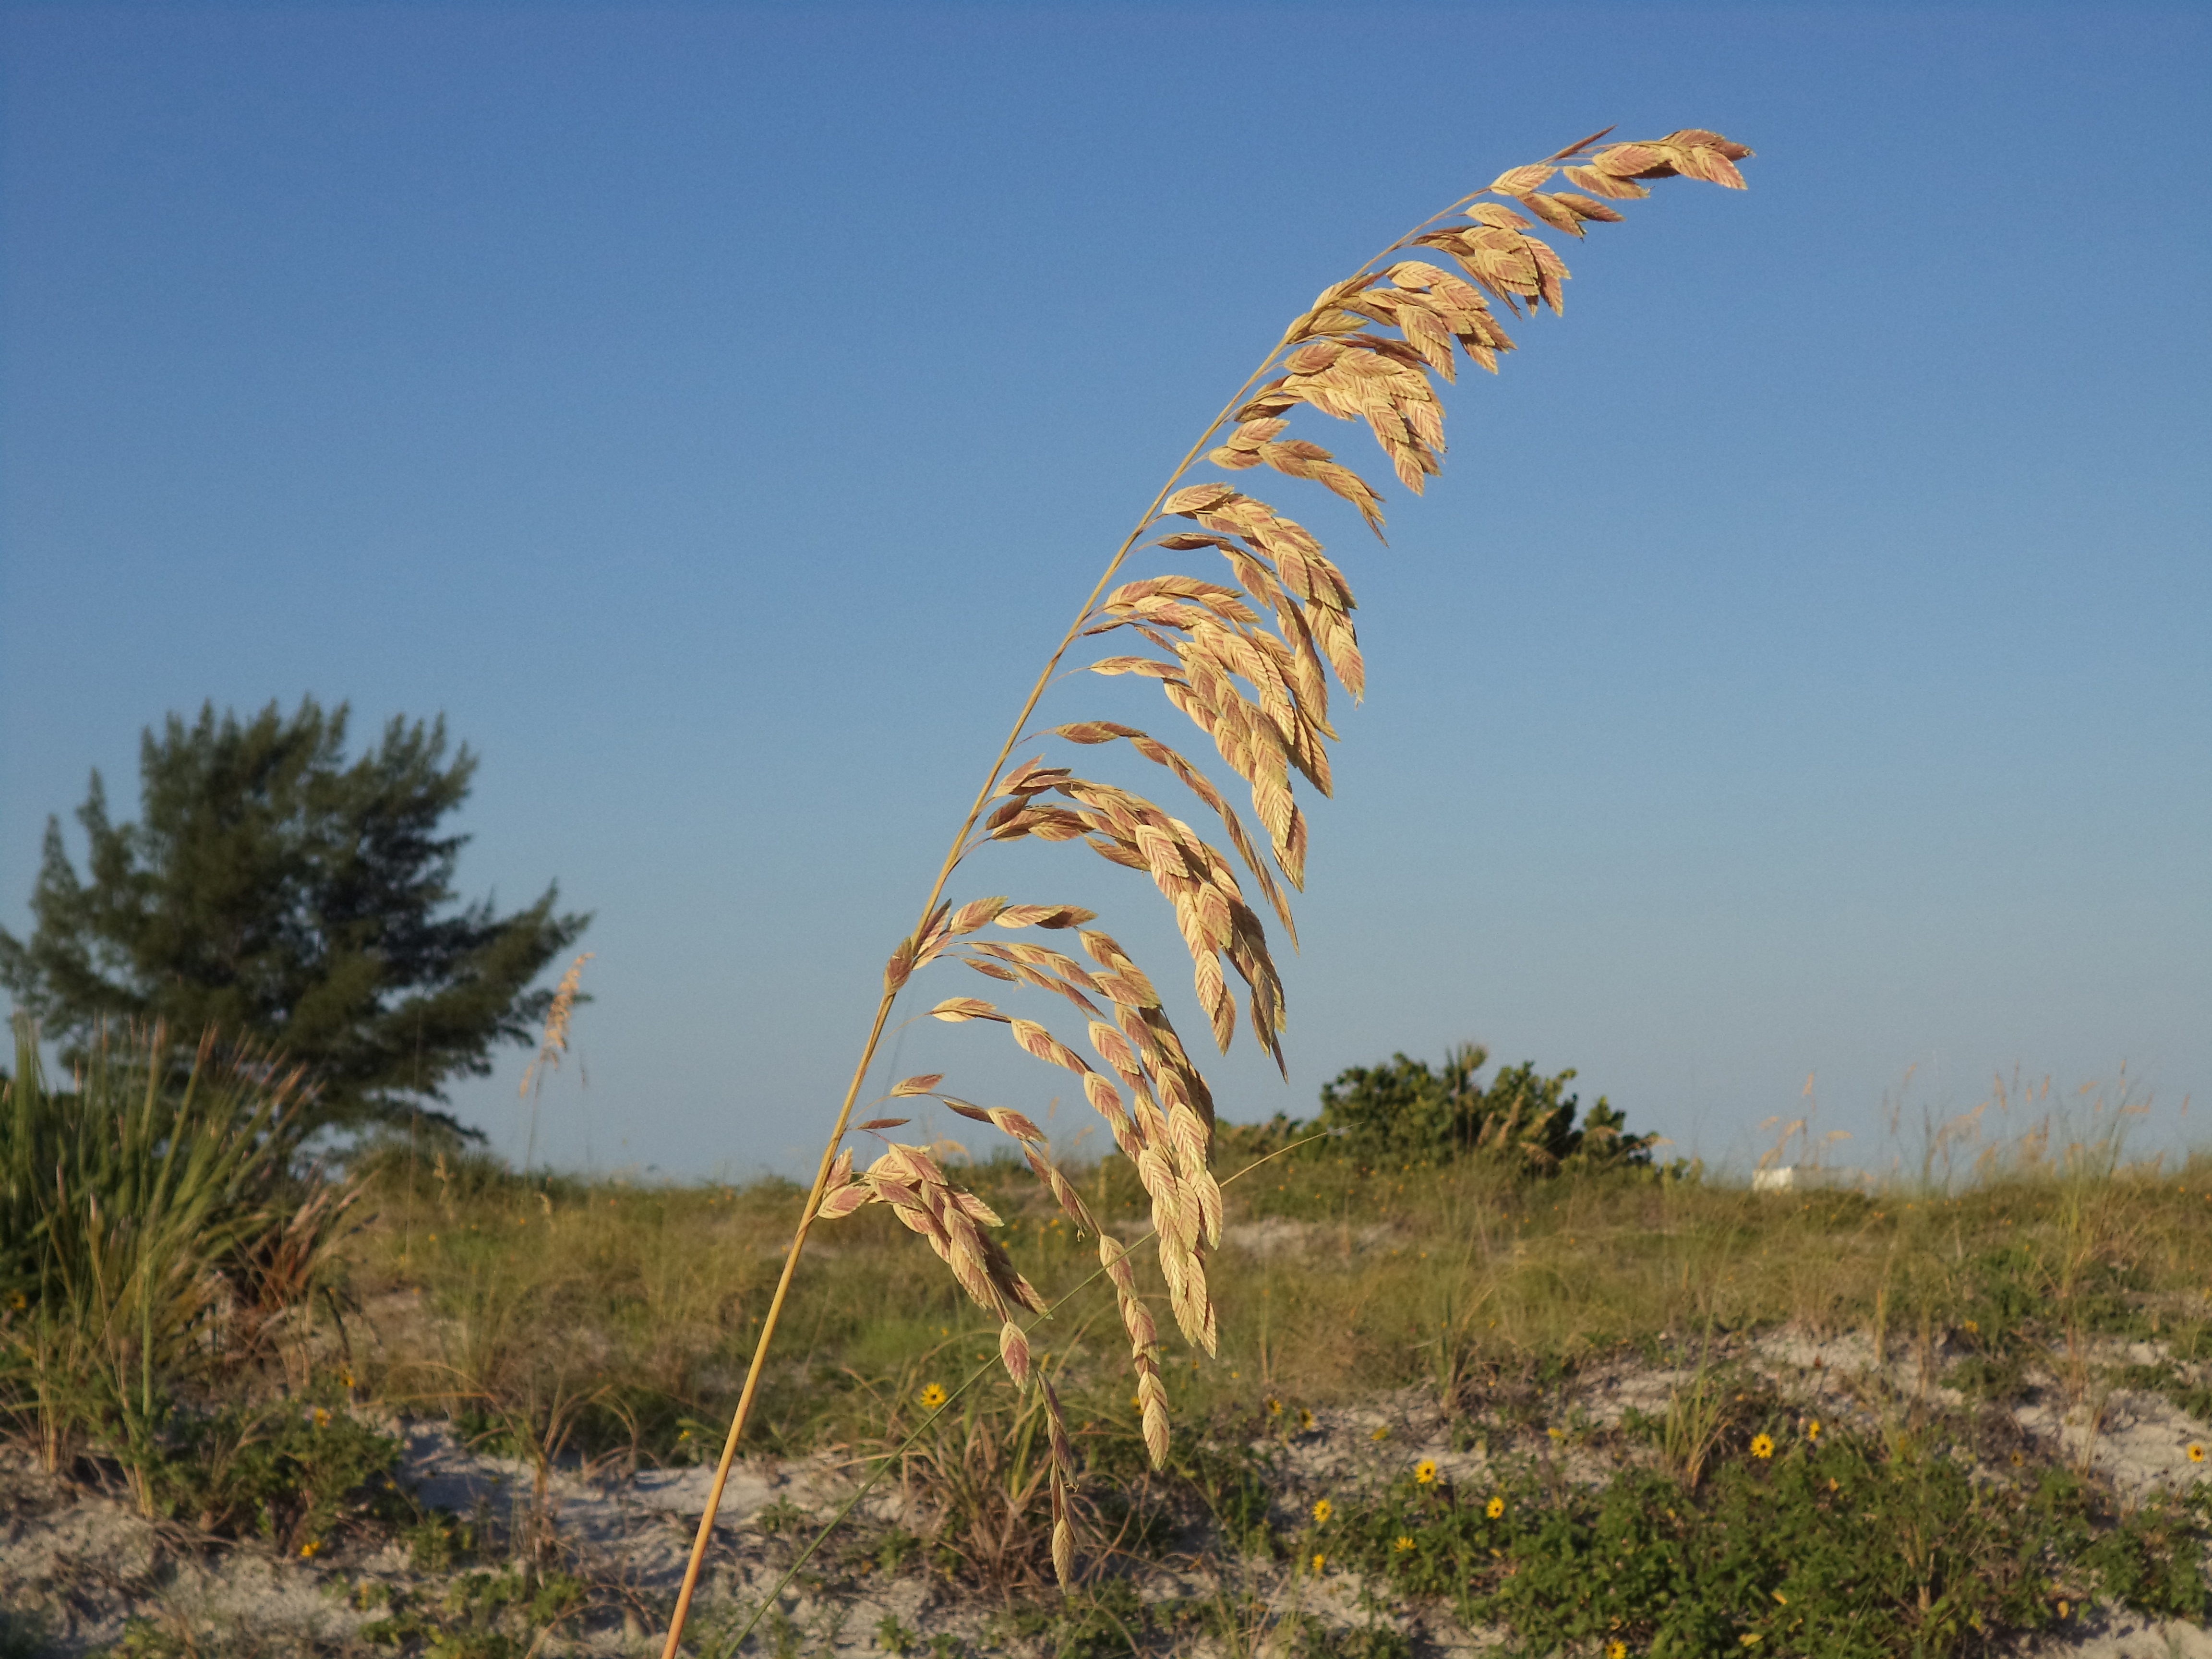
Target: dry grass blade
[(1249, 670)]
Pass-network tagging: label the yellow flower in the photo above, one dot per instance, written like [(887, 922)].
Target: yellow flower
[(1972, 1328), (1319, 1562), (1404, 1544), (2063, 1609), (1616, 1650), (1762, 1445), (932, 1397), (1382, 1431), (1321, 1511), (2196, 1452), (1425, 1473), (345, 1379), (1750, 1639), (322, 1417), (1495, 1507), (1305, 1418), (1274, 1407), (1556, 1433), (1813, 1430), (310, 1547)]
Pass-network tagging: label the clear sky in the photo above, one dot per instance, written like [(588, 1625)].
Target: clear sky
[(1801, 668)]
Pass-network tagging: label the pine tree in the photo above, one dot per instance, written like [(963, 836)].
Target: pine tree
[(275, 892)]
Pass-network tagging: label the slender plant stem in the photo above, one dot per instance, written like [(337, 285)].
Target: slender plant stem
[(959, 850)]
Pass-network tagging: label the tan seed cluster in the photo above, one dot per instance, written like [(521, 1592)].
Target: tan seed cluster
[(554, 1042), (1249, 664)]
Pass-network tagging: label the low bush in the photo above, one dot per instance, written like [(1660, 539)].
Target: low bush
[(1403, 1112)]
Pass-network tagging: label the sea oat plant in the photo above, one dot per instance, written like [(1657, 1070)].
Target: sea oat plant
[(552, 1046), (1248, 661)]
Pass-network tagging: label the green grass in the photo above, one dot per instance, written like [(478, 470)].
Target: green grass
[(1487, 1293), (552, 1318), (1450, 1277)]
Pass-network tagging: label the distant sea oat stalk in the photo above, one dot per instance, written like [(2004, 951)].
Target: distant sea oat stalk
[(552, 1044), (1370, 349)]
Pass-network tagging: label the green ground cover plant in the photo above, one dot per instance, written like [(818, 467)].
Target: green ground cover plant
[(1835, 1543)]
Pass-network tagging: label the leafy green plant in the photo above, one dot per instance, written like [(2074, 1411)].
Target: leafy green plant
[(503, 1614), (1100, 1621), (1404, 1110), (1805, 1541), (293, 1473)]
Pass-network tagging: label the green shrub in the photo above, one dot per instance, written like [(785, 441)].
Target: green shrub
[(1403, 1110)]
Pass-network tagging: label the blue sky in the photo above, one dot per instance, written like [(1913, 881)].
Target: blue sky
[(1801, 668)]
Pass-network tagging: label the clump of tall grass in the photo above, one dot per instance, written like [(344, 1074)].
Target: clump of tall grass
[(154, 1235)]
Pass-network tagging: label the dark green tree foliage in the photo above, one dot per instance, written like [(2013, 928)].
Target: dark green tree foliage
[(1402, 1109), (277, 893)]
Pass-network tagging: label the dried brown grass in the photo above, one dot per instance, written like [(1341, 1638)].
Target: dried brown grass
[(1249, 664)]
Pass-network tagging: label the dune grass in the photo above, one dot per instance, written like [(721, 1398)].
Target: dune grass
[(613, 1320), (631, 1308), (1470, 1301)]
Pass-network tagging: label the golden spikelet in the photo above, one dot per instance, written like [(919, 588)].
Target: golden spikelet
[(1247, 661), (554, 1042)]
